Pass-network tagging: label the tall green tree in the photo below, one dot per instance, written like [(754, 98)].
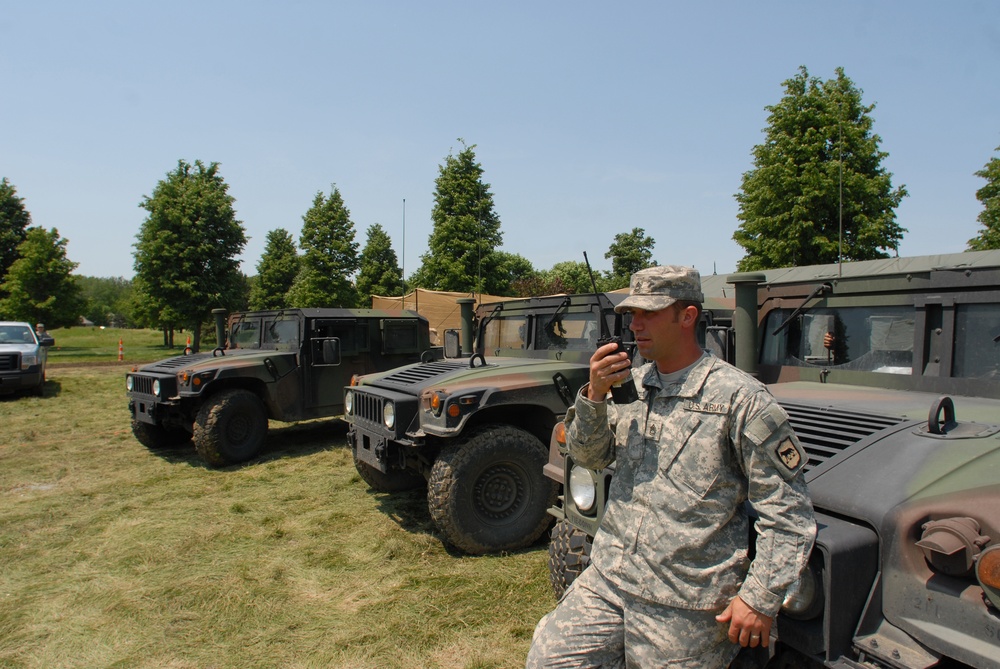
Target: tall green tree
[(379, 273), (330, 255), (629, 253), (186, 252), (515, 274), (40, 287), (108, 300), (820, 165), (276, 272), (461, 249), (571, 276), (989, 195), (14, 222)]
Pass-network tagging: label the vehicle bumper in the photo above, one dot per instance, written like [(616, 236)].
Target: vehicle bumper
[(13, 382), (147, 408), (370, 447)]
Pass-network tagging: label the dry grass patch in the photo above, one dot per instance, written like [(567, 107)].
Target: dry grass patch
[(116, 556)]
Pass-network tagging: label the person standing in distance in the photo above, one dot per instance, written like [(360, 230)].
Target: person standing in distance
[(671, 582)]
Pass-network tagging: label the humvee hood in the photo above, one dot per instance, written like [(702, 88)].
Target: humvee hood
[(456, 374), (912, 462)]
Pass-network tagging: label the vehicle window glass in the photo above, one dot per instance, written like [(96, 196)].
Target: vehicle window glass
[(352, 335), (245, 333), (400, 336), (509, 333), (870, 339), (284, 332), (568, 331), (977, 352), (16, 334)]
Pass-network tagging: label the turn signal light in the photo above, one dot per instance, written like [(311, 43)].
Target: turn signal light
[(988, 573), (560, 433)]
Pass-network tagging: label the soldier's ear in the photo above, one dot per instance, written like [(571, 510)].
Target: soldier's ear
[(689, 316)]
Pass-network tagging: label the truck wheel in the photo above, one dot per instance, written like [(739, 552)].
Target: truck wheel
[(230, 427), (569, 555), (395, 481), (156, 437), (487, 493)]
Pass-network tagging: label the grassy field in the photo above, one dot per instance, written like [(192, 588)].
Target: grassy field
[(100, 345), (116, 556)]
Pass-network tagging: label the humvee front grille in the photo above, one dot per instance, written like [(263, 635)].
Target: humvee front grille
[(142, 385), (367, 408), (10, 362), (826, 432)]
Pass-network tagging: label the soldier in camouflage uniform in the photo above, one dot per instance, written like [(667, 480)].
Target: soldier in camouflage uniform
[(670, 582)]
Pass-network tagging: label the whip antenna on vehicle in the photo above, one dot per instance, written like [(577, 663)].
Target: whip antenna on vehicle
[(624, 392)]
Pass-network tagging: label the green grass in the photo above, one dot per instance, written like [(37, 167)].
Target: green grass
[(100, 345), (117, 556)]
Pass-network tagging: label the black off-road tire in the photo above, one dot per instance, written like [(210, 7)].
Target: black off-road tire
[(569, 555), (157, 437), (231, 427), (487, 492), (395, 481)]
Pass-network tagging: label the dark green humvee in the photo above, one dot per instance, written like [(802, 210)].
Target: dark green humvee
[(900, 417), (283, 365), (475, 425)]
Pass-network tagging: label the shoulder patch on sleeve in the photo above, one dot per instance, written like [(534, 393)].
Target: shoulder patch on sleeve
[(788, 454)]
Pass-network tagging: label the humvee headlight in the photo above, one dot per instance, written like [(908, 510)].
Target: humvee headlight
[(389, 415), (348, 402), (988, 573), (950, 545), (582, 488), (156, 387), (804, 599), (129, 382)]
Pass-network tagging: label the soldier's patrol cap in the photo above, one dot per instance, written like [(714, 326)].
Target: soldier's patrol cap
[(657, 288)]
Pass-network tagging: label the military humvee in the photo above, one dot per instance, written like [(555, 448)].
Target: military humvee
[(284, 365), (900, 417), (475, 425)]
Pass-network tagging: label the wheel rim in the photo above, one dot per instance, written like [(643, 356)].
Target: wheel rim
[(500, 492), (238, 429)]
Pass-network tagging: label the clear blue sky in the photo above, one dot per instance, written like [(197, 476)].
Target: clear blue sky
[(589, 118)]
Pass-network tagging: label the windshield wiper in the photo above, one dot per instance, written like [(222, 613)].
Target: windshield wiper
[(819, 290)]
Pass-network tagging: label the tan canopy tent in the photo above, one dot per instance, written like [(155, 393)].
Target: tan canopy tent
[(440, 308)]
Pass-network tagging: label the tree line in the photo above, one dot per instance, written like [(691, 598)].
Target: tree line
[(817, 193)]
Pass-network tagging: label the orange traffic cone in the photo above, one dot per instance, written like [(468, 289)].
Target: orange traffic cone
[(121, 350)]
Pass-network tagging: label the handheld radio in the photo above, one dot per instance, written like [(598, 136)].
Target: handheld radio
[(624, 392)]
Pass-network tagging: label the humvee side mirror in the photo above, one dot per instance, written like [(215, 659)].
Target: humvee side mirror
[(452, 344), (326, 351)]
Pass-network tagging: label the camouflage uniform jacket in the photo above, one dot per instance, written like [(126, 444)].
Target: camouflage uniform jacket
[(688, 456)]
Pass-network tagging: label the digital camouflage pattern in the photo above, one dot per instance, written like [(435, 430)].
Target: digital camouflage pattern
[(586, 630), (658, 287), (687, 457)]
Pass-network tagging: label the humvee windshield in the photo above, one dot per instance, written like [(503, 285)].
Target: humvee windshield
[(282, 333), (245, 333), (544, 332), (255, 333), (870, 339)]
